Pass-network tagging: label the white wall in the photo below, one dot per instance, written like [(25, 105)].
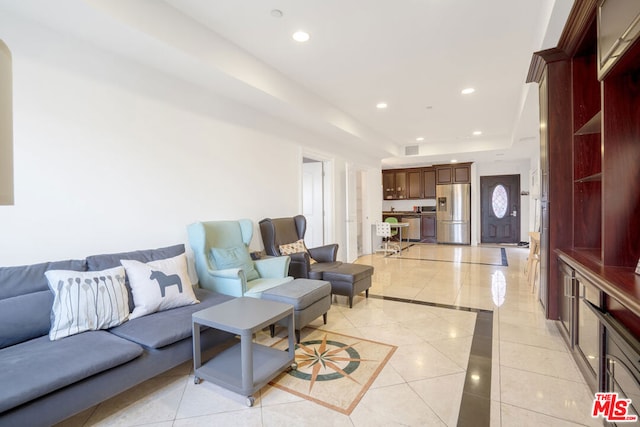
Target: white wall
[(113, 156), (521, 168)]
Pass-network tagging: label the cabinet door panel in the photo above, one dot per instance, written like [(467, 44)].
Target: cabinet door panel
[(444, 175), (401, 185), (414, 188), (461, 175), (388, 185), (428, 228), (429, 183)]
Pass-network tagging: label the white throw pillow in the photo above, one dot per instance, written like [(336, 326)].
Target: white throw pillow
[(159, 285), (86, 301)]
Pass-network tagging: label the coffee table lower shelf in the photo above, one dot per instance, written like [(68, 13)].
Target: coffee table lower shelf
[(225, 369)]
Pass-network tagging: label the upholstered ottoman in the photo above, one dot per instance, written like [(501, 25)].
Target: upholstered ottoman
[(309, 298), (349, 280)]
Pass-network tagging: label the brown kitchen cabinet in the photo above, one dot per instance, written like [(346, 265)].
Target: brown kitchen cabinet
[(428, 228), (401, 184), (454, 174), (394, 184), (388, 185), (429, 183), (420, 183), (414, 184)]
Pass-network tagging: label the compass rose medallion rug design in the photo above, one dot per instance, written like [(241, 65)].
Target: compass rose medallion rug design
[(334, 370)]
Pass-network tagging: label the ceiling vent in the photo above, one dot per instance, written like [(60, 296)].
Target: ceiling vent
[(411, 150)]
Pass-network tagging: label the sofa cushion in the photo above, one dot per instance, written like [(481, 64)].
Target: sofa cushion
[(87, 301), (104, 261), (34, 368), (24, 317), (25, 300), (30, 278), (159, 285), (161, 329)]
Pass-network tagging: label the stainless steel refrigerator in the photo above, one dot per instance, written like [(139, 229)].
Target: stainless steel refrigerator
[(453, 213)]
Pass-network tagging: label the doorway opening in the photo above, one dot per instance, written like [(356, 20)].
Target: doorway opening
[(500, 208)]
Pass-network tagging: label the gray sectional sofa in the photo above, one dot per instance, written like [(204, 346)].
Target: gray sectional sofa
[(44, 382)]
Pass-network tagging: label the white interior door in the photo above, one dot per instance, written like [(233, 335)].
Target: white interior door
[(312, 203), (352, 213)]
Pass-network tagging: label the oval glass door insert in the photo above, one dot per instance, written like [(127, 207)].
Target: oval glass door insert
[(499, 201)]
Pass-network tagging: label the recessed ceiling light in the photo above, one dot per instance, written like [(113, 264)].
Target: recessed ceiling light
[(477, 132), (381, 105), (420, 138), (454, 161), (468, 90), (301, 36)]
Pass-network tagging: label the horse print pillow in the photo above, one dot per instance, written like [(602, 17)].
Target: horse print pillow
[(159, 285)]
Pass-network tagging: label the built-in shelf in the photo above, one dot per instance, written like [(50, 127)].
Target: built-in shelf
[(592, 254), (590, 178), (592, 126)]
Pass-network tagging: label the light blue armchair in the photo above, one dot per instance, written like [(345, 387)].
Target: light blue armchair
[(223, 262)]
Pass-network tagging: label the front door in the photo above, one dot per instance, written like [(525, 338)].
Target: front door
[(500, 208)]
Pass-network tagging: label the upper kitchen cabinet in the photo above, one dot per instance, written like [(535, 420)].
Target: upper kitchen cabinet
[(429, 183), (420, 183), (413, 183), (618, 28), (453, 174), (394, 184)]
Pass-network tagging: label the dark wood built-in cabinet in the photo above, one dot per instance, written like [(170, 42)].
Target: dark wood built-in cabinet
[(590, 190), (420, 183)]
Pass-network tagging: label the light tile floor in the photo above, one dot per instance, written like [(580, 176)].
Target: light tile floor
[(534, 380)]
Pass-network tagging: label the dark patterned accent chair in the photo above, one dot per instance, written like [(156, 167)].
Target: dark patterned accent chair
[(280, 235)]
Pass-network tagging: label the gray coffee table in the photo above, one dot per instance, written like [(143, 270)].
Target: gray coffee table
[(245, 367)]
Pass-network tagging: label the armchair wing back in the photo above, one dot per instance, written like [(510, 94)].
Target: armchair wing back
[(223, 262), (283, 231)]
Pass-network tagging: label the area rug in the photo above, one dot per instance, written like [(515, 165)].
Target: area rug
[(334, 370)]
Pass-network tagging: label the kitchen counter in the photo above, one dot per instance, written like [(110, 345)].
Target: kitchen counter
[(407, 213), (423, 224)]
